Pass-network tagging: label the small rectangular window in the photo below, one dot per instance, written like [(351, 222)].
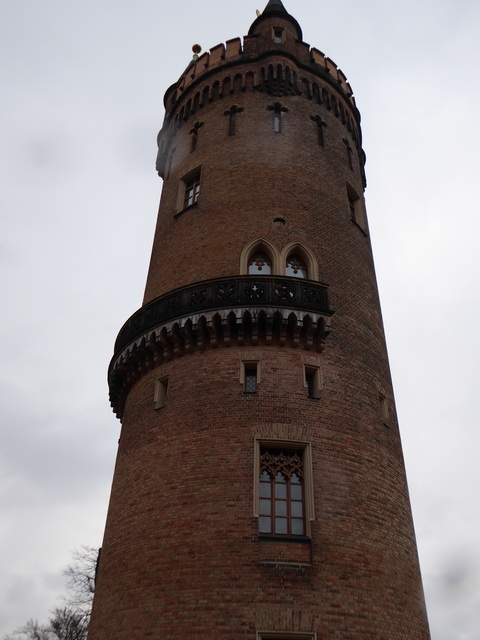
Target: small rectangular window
[(383, 407), (189, 190), (192, 191), (312, 380), (161, 390), (251, 379), (249, 376), (278, 35), (356, 208), (283, 488)]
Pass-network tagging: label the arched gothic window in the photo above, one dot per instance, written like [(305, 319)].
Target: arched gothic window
[(259, 264), (296, 267)]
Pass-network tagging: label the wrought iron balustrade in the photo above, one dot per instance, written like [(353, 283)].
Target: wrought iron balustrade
[(225, 293)]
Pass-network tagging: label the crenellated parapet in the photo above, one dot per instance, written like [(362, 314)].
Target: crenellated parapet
[(233, 52), (227, 70)]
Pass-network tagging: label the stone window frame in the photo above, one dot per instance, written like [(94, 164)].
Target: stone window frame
[(161, 392), (356, 207), (305, 254), (279, 258), (257, 246), (308, 499)]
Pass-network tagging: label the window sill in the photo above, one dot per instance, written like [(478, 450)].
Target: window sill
[(273, 537), (182, 211)]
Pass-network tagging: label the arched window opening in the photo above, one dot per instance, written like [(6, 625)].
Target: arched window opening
[(296, 267), (259, 264)]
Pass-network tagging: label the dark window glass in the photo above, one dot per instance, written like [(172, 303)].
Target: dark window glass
[(351, 205), (310, 376), (250, 378), (265, 525)]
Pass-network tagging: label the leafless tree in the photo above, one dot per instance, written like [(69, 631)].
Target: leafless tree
[(71, 621), (81, 578)]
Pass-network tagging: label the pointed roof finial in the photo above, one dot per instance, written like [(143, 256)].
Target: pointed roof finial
[(274, 5), (275, 8)]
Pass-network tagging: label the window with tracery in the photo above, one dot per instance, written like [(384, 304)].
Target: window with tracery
[(296, 267), (281, 492), (259, 264)]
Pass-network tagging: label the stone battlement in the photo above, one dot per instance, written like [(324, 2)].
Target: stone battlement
[(235, 52)]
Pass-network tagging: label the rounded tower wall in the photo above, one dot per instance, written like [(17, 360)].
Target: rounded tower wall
[(235, 367), (300, 174), (182, 503)]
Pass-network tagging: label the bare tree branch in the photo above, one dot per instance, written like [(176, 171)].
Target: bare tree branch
[(71, 621)]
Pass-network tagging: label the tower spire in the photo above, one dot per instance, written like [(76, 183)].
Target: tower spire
[(275, 9), (274, 5)]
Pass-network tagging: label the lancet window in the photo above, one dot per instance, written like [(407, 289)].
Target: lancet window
[(259, 264), (296, 267)]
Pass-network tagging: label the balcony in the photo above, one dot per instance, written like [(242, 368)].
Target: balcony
[(225, 311), (225, 293)]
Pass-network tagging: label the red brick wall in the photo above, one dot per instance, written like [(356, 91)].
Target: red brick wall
[(181, 556)]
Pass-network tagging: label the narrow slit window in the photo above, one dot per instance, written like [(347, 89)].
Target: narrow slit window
[(356, 208), (250, 377), (277, 35), (312, 381), (161, 391), (278, 110), (383, 407)]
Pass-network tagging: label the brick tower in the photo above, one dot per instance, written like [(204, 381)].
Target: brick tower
[(259, 489)]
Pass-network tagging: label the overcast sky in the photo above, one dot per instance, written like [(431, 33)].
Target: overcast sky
[(82, 86)]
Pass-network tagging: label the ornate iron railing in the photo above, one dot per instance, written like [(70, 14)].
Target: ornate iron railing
[(225, 293)]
